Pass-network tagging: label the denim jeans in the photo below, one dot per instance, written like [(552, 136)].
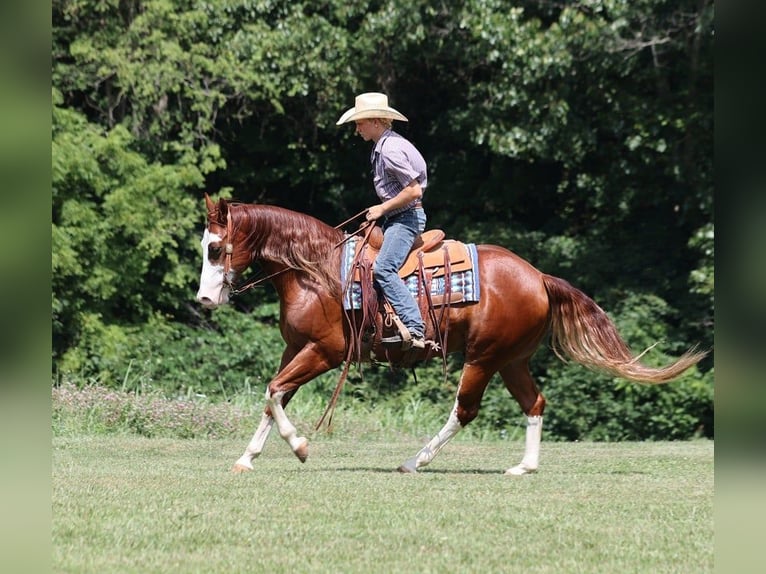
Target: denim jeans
[(399, 233)]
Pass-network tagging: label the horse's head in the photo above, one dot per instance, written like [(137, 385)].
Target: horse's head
[(215, 282)]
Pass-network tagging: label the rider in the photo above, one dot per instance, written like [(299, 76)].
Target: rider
[(399, 178)]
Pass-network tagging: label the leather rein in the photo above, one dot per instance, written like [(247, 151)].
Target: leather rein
[(256, 279)]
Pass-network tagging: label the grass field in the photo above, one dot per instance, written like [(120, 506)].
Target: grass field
[(130, 504)]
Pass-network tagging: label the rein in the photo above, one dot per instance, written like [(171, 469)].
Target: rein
[(256, 279), (355, 341)]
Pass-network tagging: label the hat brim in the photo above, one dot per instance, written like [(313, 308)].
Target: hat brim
[(352, 115)]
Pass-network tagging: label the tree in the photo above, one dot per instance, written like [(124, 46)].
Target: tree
[(121, 237)]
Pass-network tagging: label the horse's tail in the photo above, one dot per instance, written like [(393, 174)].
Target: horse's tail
[(582, 331)]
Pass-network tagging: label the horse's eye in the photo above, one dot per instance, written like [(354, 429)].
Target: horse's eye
[(213, 252)]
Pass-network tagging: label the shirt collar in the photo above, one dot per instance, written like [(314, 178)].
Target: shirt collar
[(379, 143)]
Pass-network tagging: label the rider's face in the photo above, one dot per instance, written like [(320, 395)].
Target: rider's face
[(368, 129)]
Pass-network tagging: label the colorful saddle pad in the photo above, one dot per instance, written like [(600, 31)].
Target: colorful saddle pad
[(464, 278)]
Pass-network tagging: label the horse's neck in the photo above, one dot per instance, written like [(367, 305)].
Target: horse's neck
[(272, 226), (281, 239)]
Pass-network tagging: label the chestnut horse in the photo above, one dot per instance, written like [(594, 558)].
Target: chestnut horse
[(518, 306)]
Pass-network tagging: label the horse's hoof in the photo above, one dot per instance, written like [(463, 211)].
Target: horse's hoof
[(240, 468), (404, 469), (519, 470), (302, 452)]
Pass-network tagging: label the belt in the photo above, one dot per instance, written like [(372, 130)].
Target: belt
[(417, 205)]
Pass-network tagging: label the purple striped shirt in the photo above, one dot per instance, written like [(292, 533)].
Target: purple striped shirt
[(395, 163)]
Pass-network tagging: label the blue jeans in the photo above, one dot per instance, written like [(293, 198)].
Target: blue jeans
[(399, 233)]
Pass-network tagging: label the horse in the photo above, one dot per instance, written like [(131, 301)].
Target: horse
[(518, 307)]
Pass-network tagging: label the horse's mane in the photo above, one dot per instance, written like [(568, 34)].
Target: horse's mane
[(295, 240)]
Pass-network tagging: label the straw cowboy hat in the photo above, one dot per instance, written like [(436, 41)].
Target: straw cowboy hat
[(370, 105)]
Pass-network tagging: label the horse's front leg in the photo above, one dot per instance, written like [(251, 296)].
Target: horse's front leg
[(307, 364), (287, 430), (255, 447)]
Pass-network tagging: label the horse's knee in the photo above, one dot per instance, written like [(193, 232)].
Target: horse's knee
[(287, 396)]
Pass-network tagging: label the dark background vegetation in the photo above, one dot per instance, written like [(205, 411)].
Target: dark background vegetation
[(577, 134)]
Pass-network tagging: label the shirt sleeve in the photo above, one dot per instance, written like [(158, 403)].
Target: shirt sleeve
[(399, 166)]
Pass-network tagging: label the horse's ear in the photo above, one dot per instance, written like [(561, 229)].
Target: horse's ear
[(223, 210), (209, 204), (216, 213)]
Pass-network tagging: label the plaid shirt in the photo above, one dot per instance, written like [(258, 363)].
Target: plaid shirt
[(395, 163)]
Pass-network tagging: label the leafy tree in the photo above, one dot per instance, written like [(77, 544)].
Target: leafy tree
[(121, 229)]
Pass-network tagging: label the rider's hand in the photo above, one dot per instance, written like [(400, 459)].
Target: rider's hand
[(375, 212)]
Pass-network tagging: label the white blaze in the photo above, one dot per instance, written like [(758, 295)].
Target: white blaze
[(212, 291)]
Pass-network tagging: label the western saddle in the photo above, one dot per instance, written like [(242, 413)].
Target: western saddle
[(437, 254)]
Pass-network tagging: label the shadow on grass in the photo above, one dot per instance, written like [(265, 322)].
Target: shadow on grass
[(390, 470)]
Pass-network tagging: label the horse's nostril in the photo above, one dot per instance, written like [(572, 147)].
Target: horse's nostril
[(206, 301)]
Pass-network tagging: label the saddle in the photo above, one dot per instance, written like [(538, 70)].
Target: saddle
[(437, 254)]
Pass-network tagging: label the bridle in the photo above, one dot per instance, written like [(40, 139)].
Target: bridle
[(227, 256), (228, 252), (257, 279)]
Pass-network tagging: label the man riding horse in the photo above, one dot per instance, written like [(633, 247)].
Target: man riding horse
[(400, 178)]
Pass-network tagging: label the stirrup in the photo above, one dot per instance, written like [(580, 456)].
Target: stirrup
[(406, 343)]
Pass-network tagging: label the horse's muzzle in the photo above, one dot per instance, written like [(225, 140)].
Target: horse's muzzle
[(207, 302), (212, 300)]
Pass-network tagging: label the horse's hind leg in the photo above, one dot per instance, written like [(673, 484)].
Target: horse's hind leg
[(521, 385), (428, 452), (473, 382)]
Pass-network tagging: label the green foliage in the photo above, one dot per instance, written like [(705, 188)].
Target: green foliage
[(122, 229), (701, 304), (98, 410), (229, 354), (232, 356), (703, 278), (584, 406)]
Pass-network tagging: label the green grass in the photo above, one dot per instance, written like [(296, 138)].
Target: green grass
[(135, 504)]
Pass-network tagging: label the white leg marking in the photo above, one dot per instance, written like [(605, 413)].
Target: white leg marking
[(255, 447), (428, 452), (286, 429), (531, 448)]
